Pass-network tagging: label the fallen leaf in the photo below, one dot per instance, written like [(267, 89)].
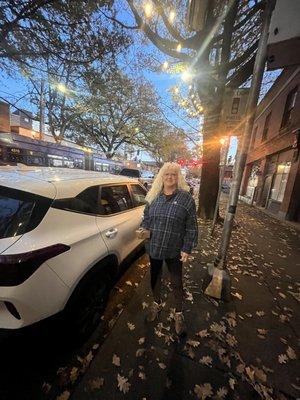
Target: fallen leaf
[(96, 345), (237, 295), (260, 313), (145, 305), (141, 340), (221, 393), (64, 396), (232, 383), (217, 328), (295, 386), (190, 352), (283, 318), (123, 384), (291, 353), (140, 352), (193, 343), (162, 365), (74, 374), (282, 295), (240, 368), (116, 360), (295, 295), (46, 387), (96, 383), (262, 331), (282, 358), (206, 360), (131, 326), (142, 376), (260, 374), (202, 333), (128, 283), (203, 391), (231, 340)]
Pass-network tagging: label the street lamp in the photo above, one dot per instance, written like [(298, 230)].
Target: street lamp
[(186, 76), (165, 65), (62, 88), (148, 8), (172, 16)]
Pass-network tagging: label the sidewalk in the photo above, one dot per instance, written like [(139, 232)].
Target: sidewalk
[(246, 349)]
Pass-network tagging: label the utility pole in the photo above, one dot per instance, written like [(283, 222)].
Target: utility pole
[(217, 282), (42, 110), (222, 173)]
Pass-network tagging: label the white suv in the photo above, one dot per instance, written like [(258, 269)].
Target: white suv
[(63, 235)]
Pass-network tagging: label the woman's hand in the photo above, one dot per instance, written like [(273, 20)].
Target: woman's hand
[(184, 256)]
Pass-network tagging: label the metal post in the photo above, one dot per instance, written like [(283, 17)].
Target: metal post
[(222, 173), (42, 110), (258, 72)]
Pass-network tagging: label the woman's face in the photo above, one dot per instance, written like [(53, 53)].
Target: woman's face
[(170, 179)]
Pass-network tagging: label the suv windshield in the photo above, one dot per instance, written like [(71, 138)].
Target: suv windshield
[(20, 211)]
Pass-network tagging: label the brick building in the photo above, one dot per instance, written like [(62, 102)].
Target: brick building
[(272, 175)]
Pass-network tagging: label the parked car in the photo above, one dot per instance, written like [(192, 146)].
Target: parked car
[(225, 188), (63, 235), (145, 177), (132, 172)]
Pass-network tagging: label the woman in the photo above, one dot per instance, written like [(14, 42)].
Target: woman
[(170, 218)]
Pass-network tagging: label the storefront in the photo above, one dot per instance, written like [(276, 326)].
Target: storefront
[(276, 178)]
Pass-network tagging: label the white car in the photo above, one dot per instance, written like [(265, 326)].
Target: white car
[(63, 236)]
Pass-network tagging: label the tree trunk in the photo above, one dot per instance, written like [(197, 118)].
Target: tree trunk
[(210, 168)]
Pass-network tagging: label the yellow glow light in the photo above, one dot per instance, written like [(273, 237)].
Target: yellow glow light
[(222, 141), (165, 65), (172, 16), (176, 90), (136, 129), (148, 8), (62, 88), (186, 76), (179, 47)]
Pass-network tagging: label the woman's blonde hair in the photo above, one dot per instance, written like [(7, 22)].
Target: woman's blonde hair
[(157, 185)]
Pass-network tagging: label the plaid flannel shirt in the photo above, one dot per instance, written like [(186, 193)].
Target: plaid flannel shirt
[(173, 225)]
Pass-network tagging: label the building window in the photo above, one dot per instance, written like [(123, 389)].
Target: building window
[(289, 106), (235, 105), (253, 137), (266, 128), (280, 181)]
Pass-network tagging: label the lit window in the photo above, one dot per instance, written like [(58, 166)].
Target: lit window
[(266, 128), (289, 106)]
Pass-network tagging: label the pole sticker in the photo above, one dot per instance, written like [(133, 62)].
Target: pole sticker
[(232, 209)]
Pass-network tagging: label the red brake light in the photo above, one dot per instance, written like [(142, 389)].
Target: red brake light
[(16, 268)]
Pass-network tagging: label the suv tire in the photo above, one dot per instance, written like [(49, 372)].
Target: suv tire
[(83, 312)]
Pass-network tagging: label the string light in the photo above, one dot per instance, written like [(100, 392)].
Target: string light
[(186, 76), (62, 88), (148, 8), (165, 65), (172, 16), (179, 47)]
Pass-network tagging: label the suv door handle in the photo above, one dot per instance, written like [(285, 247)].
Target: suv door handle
[(111, 233)]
